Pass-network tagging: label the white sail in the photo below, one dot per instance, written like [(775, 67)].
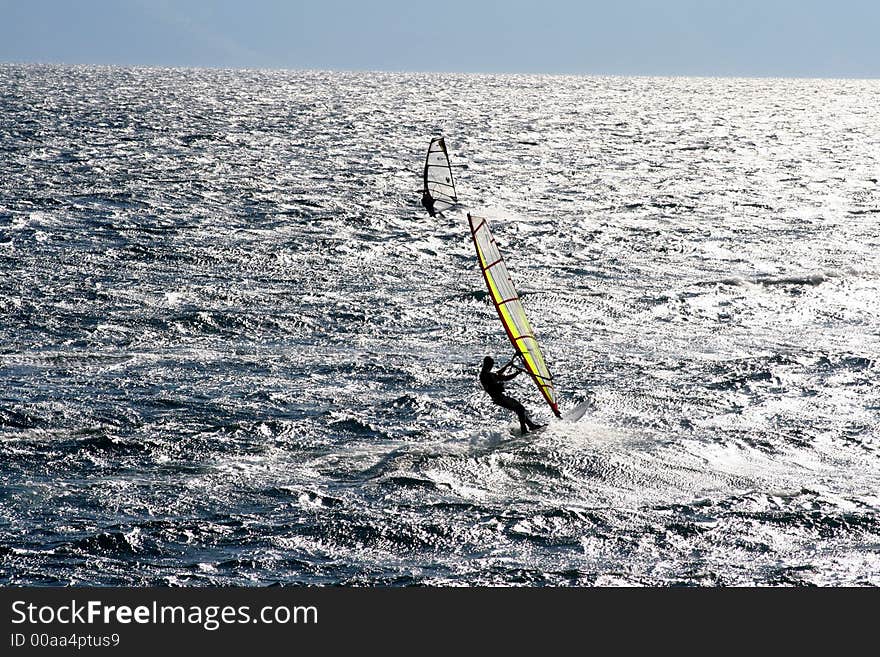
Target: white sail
[(437, 177)]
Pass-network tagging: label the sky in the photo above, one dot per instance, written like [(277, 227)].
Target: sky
[(761, 38)]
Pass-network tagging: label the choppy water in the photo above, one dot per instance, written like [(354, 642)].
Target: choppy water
[(234, 349)]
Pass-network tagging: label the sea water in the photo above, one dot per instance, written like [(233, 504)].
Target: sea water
[(234, 349)]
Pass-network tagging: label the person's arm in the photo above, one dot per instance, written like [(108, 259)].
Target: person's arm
[(506, 377)]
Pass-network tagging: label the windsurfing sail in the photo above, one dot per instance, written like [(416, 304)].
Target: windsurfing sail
[(510, 309), (438, 181)]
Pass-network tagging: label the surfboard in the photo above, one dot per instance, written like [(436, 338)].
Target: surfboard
[(569, 417)]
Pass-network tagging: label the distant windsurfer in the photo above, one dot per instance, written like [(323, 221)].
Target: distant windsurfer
[(493, 384), (428, 202)]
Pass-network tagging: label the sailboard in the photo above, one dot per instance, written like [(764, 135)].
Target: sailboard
[(437, 176), (510, 310)]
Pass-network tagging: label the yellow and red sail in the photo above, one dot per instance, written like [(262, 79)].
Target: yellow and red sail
[(510, 309)]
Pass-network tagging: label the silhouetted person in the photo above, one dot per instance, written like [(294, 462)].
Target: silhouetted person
[(428, 202), (493, 384)]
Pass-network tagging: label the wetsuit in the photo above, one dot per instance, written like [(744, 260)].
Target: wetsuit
[(428, 202), (493, 384)]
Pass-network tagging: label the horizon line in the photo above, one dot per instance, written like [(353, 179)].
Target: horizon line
[(195, 67)]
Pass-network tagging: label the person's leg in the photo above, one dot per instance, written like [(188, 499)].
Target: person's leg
[(523, 420), (519, 409)]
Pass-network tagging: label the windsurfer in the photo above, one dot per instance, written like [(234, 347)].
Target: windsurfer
[(428, 202), (493, 384)]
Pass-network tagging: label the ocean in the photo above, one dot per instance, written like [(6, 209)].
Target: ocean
[(235, 350)]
